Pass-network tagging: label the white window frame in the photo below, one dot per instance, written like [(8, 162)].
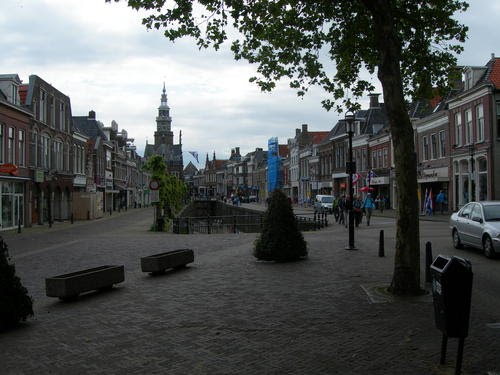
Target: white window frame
[(480, 122), (43, 106), (434, 146), (52, 111), (45, 151), (468, 127), (11, 137), (442, 144), (425, 148), (21, 148), (458, 129)]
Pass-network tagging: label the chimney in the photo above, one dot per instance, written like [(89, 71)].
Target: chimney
[(374, 100), (237, 150), (304, 128), (91, 115), (297, 132), (493, 56)]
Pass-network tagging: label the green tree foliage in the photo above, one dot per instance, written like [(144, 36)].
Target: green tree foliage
[(15, 304), (409, 44), (172, 190), (281, 239)]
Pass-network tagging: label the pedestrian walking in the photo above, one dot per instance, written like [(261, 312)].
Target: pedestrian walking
[(342, 210), (440, 200), (368, 206), (358, 214), (336, 209), (381, 204)]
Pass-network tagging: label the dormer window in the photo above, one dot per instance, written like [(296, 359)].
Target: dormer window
[(14, 93), (468, 79), (357, 127)]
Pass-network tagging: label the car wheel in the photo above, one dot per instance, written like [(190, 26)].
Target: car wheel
[(488, 247), (456, 240)]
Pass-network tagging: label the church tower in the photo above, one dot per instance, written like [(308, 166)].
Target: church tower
[(163, 133), (164, 140)]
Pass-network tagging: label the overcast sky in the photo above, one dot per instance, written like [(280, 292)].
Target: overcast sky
[(104, 59)]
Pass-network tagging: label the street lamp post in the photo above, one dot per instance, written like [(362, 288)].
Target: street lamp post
[(350, 170)]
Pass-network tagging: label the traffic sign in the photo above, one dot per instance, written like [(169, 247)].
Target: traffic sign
[(154, 184)]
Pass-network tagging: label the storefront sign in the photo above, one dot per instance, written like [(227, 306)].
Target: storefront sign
[(379, 180), (80, 181), (433, 175)]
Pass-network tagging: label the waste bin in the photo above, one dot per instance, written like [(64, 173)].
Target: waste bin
[(451, 292)]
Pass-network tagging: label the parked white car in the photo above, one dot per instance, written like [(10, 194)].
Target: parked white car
[(477, 224)]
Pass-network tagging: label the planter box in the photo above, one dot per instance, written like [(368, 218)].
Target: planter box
[(70, 285), (158, 263)]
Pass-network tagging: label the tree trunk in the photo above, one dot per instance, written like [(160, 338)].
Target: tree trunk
[(406, 277)]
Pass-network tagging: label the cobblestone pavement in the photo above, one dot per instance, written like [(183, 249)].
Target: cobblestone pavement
[(227, 313)]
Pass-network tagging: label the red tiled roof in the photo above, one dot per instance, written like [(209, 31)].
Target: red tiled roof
[(23, 92), (495, 73), (317, 137), (436, 99), (219, 164)]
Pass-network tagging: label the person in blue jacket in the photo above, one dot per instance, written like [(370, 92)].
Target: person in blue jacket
[(368, 205)]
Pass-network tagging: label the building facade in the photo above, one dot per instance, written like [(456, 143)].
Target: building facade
[(50, 155), (15, 177)]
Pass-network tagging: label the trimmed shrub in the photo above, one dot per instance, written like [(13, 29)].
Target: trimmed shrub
[(15, 304), (280, 239)]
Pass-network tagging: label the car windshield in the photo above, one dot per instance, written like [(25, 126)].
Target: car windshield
[(492, 212), (327, 200)]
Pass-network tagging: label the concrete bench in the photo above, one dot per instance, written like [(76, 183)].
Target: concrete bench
[(70, 285), (158, 263)]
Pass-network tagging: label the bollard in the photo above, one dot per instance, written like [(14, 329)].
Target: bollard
[(326, 219), (381, 244), (234, 224), (88, 215), (110, 211), (428, 261), (19, 225), (71, 219), (208, 225)]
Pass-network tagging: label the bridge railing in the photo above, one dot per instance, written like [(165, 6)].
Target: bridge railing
[(236, 223)]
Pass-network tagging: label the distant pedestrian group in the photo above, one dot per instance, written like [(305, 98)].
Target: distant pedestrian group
[(360, 207)]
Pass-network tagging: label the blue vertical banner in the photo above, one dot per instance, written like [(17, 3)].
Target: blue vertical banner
[(273, 165)]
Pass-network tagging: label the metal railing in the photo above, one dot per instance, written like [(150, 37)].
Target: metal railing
[(238, 223)]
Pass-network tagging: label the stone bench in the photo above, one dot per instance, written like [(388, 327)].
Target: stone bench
[(70, 285), (158, 263)]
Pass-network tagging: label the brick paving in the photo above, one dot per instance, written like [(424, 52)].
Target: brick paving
[(227, 313)]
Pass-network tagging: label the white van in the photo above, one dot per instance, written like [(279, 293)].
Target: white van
[(324, 203)]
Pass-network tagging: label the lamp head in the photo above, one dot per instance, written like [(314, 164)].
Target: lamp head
[(349, 121)]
